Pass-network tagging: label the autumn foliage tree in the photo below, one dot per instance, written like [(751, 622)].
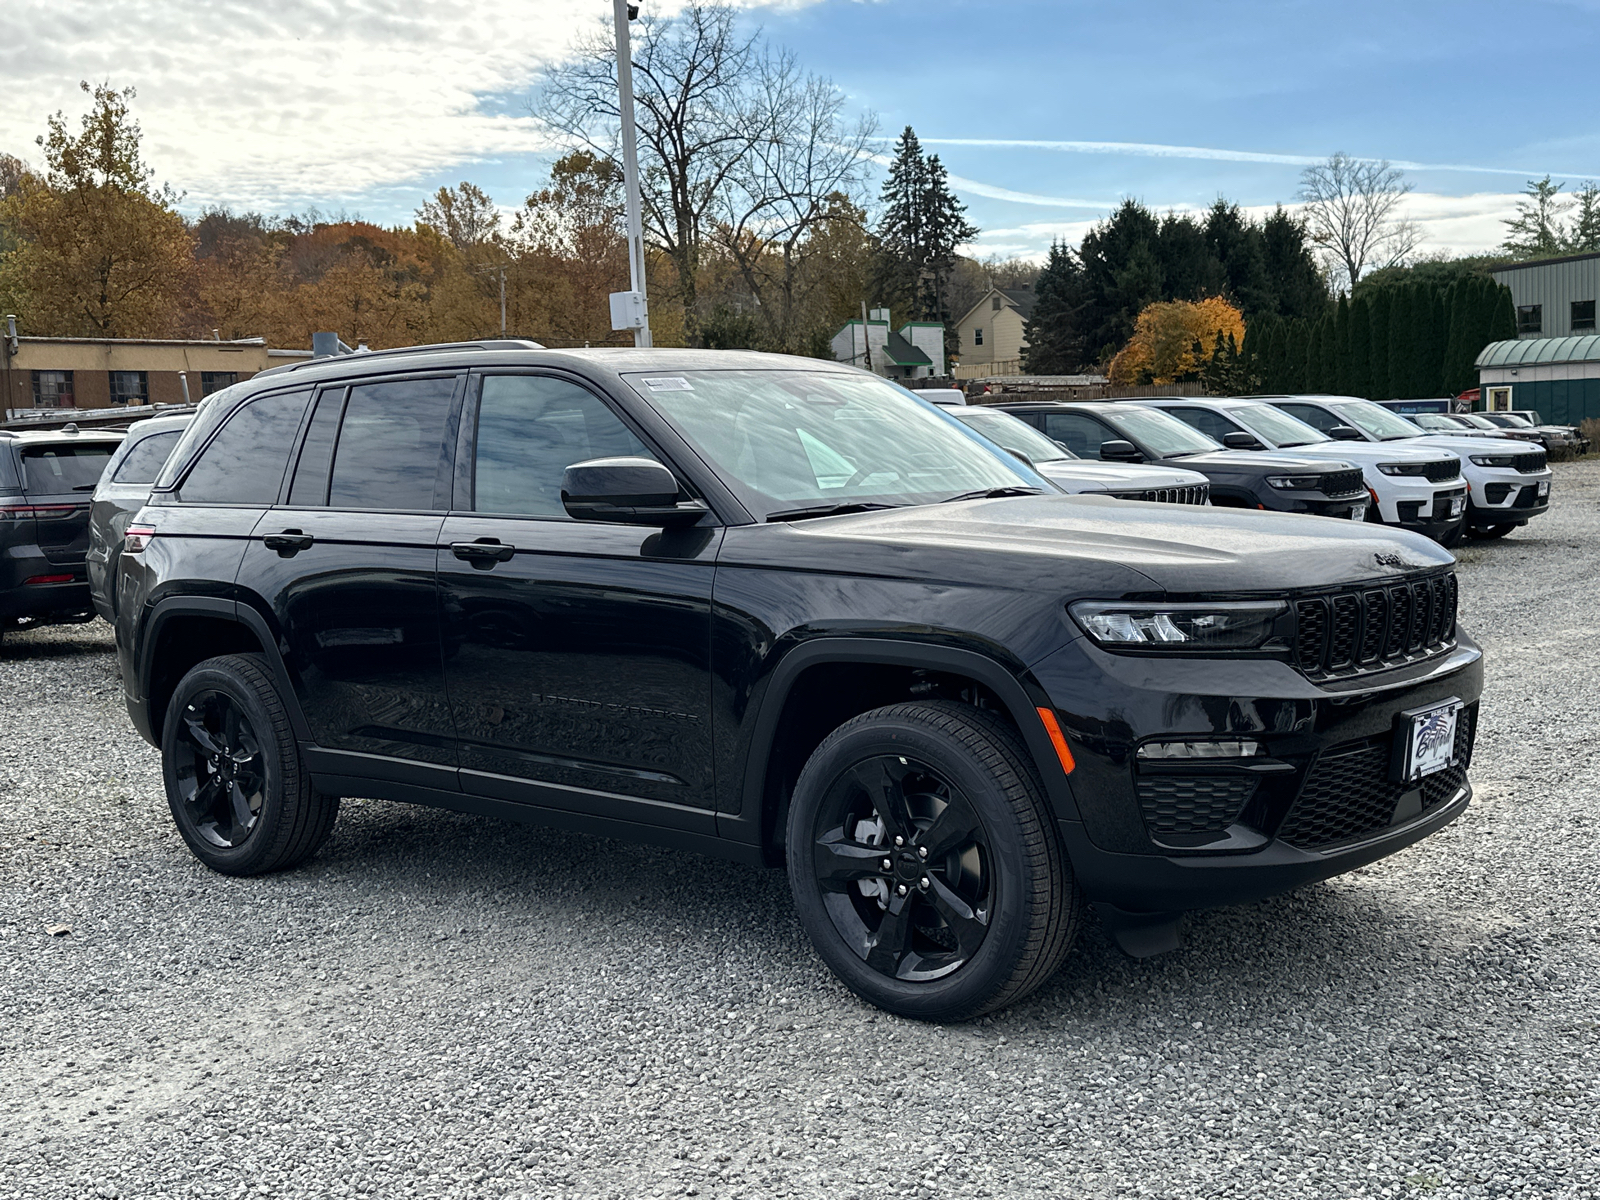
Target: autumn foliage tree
[(97, 249), (1173, 341)]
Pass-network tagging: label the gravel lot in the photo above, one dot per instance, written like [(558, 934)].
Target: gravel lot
[(441, 1005)]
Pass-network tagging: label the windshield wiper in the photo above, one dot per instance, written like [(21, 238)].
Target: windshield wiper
[(992, 493), (825, 510)]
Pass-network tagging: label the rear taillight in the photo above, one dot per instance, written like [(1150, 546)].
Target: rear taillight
[(8, 511), (34, 579), (136, 537)]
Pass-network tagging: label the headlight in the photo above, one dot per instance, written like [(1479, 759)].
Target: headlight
[(1292, 483), (1224, 625), (1496, 460), (1403, 468)]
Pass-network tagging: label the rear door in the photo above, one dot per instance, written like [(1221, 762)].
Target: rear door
[(1079, 432), (58, 479), (122, 492), (344, 570), (577, 653)]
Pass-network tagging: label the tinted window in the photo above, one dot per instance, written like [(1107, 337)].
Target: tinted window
[(1276, 427), (316, 455), (1009, 433), (244, 463), (57, 469), (1157, 431), (1207, 422), (1316, 417), (530, 429), (391, 444), (1080, 433), (144, 459)]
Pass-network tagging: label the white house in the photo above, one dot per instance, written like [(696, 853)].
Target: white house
[(914, 351)]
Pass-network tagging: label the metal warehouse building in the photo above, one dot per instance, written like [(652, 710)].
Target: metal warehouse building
[(1554, 296), (1559, 377)]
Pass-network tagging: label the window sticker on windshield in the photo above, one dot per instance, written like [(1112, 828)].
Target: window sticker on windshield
[(667, 383)]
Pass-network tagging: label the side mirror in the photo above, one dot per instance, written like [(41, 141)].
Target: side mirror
[(1345, 433), (1239, 440), (626, 491), (1117, 450)]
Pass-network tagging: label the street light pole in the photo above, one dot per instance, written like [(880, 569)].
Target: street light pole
[(635, 314)]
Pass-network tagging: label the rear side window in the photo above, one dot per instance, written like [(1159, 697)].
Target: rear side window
[(1206, 421), (530, 429), (1081, 434), (244, 463), (1316, 417), (53, 470), (145, 457), (391, 448)]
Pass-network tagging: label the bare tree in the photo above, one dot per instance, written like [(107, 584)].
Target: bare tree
[(1351, 210), (805, 164), (690, 78), (464, 214)]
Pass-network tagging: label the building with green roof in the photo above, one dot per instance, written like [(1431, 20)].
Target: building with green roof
[(1558, 377)]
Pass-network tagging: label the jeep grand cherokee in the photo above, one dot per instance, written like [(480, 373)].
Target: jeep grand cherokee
[(779, 610)]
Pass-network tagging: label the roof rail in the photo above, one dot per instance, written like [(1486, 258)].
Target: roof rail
[(485, 344)]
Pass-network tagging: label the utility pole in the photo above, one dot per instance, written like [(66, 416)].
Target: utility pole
[(502, 300), (630, 310)]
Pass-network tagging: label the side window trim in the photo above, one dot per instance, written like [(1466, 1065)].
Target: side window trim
[(298, 448), (464, 501)]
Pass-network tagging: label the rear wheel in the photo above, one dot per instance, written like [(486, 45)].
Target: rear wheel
[(923, 864), (1484, 532), (239, 794)]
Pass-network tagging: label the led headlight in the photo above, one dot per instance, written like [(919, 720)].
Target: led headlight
[(1222, 625), (1496, 460), (1403, 468), (1295, 483)]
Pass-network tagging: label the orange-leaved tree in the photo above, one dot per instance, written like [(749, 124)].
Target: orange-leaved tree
[(1173, 341)]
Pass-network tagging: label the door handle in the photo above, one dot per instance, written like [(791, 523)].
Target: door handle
[(483, 553), (288, 543)]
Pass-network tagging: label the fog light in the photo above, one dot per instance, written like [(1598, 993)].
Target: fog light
[(1222, 749)]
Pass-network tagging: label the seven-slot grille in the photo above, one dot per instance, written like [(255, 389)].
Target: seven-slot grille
[(1198, 494), (1369, 629), (1343, 483), (1530, 463), (1438, 472)]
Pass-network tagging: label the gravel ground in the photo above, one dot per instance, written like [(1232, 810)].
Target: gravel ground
[(441, 1005)]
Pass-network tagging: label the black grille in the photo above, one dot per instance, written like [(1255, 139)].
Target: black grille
[(1349, 793), (1529, 497), (1529, 463), (1496, 493), (1444, 469), (1193, 803), (1343, 483), (1375, 628), (1198, 494)]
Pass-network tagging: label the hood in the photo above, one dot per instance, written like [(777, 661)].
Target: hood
[(1362, 453), (1471, 445), (1081, 545), (1081, 475), (1256, 461)]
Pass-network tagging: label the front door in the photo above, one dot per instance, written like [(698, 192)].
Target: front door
[(576, 653), (347, 566), (1499, 399)]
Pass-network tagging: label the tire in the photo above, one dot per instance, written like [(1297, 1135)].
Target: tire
[(1485, 532), (239, 794), (1000, 906), (1453, 538)]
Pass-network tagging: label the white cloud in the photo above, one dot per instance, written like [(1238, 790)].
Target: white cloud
[(297, 101)]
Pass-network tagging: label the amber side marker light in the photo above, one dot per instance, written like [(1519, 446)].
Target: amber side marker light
[(1057, 739)]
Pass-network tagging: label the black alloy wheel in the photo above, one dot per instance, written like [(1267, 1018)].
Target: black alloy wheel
[(239, 794), (902, 863), (923, 861), (217, 761)]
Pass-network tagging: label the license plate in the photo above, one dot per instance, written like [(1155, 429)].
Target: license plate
[(1358, 512), (1428, 738), (1544, 488), (1458, 505)]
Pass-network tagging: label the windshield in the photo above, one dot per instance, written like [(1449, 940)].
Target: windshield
[(1476, 422), (1375, 421), (1276, 427), (1434, 421), (1510, 421), (1167, 436), (1012, 434), (783, 440)]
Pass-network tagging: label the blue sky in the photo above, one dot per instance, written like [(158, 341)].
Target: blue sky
[(367, 105)]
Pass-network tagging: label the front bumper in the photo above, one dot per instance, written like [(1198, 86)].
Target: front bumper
[(1509, 496), (1166, 836)]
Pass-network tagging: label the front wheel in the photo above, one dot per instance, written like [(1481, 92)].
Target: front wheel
[(239, 794), (923, 864)]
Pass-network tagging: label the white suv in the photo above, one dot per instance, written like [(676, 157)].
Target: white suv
[(1418, 488), (1508, 479)]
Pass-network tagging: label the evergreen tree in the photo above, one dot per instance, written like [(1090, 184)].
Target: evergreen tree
[(1378, 381), (1358, 365), (945, 226), (1236, 245), (1053, 333), (901, 234), (1294, 356), (1329, 371), (1121, 275), (1189, 268), (1584, 235), (1402, 341), (1432, 361), (1311, 376), (1341, 347), (1256, 353), (1292, 275), (1450, 371), (1502, 317), (1536, 231)]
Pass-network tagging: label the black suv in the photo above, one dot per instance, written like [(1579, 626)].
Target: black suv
[(779, 610), (1130, 433), (46, 478)]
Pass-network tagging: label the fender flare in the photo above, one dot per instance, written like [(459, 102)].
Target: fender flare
[(227, 610), (1022, 696)]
